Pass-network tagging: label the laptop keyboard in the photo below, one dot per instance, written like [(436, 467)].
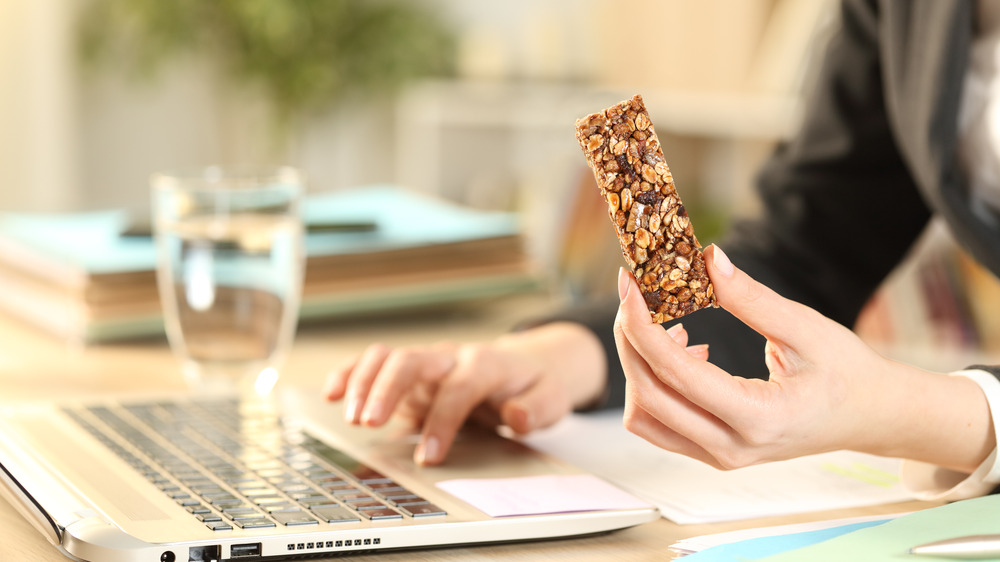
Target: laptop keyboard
[(233, 467)]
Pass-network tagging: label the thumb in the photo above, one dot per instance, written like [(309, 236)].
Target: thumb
[(758, 306)]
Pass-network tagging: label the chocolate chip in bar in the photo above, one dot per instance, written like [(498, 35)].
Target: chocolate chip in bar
[(653, 227)]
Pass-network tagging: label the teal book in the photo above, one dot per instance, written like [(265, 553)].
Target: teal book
[(90, 276)]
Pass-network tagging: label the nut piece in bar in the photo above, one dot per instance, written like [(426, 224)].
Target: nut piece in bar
[(653, 227)]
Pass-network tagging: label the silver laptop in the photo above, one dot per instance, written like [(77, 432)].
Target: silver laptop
[(181, 479)]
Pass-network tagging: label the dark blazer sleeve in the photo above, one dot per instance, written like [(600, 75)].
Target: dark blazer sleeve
[(840, 207)]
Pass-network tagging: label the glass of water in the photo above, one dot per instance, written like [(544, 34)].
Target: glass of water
[(230, 266)]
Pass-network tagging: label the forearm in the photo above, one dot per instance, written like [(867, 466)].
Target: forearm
[(930, 417)]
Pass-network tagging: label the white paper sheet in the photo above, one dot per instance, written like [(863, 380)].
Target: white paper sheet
[(689, 491)]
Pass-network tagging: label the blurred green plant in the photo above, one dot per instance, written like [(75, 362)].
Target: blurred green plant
[(305, 55)]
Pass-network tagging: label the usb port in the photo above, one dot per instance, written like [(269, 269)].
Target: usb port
[(248, 550)]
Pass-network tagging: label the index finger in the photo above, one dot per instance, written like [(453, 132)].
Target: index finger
[(336, 381), (400, 371), (477, 373), (776, 318), (704, 384)]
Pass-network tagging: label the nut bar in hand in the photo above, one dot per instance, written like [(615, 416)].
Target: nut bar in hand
[(654, 229)]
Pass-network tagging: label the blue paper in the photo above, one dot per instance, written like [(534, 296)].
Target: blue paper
[(753, 549)]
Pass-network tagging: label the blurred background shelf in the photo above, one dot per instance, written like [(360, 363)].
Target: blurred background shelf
[(485, 121), (88, 135)]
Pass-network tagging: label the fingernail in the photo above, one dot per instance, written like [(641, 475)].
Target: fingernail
[(698, 351), (351, 411), (427, 451), (675, 332), (721, 262), (520, 419), (623, 284), (372, 413)]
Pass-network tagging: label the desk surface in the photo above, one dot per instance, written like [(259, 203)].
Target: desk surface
[(33, 365)]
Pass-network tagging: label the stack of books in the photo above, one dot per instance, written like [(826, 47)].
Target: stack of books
[(91, 277)]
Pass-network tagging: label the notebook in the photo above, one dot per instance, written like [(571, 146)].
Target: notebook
[(179, 479)]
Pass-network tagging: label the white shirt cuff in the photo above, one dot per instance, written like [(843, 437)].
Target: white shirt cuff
[(930, 482)]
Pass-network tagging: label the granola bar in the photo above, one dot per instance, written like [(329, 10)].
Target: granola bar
[(655, 232)]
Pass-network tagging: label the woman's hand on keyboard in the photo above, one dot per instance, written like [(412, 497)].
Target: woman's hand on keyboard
[(525, 380)]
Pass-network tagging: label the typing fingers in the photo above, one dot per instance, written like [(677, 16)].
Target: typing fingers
[(479, 373), (415, 404), (360, 380), (401, 370), (540, 405)]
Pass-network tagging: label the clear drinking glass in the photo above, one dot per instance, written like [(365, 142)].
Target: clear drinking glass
[(230, 265)]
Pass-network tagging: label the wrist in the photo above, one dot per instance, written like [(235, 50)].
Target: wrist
[(932, 482), (568, 351), (930, 417)]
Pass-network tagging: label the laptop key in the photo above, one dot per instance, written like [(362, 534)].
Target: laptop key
[(294, 518), (246, 516), (259, 523), (344, 492), (380, 514), (219, 526), (369, 476), (335, 514), (234, 511), (323, 476), (364, 505), (296, 486), (223, 504), (388, 486), (208, 488), (338, 485), (403, 499), (262, 491), (422, 510), (268, 500), (317, 502)]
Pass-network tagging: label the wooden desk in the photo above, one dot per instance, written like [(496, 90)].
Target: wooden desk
[(32, 366)]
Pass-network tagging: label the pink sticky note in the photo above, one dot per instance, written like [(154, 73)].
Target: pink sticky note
[(534, 495)]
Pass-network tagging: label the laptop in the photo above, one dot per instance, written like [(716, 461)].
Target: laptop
[(182, 479)]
